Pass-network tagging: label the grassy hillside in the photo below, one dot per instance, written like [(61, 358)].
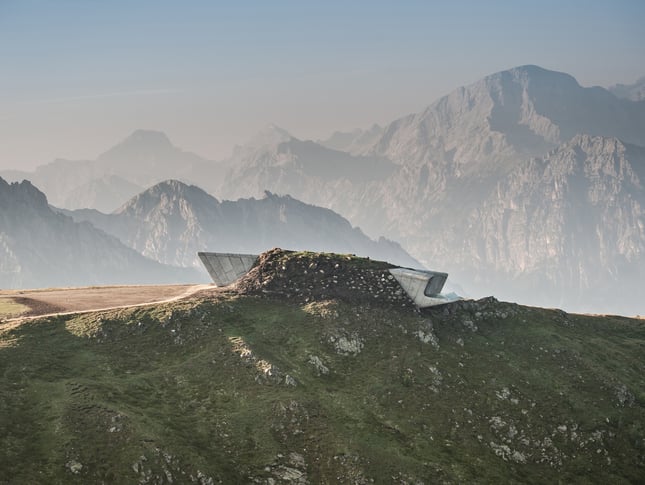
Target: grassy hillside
[(230, 388)]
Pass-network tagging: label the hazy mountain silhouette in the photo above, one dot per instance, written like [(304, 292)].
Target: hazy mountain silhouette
[(105, 194), (450, 159), (275, 160), (566, 229), (434, 180), (172, 221), (354, 142), (40, 248), (144, 158), (633, 92)]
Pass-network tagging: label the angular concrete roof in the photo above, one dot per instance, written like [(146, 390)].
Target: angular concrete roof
[(423, 287), (225, 268)]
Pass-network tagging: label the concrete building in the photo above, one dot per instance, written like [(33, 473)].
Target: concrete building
[(226, 268), (423, 287)]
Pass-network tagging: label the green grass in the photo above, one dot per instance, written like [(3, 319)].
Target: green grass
[(10, 308), (139, 395), (350, 259)]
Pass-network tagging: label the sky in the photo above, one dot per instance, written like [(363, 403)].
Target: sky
[(77, 76)]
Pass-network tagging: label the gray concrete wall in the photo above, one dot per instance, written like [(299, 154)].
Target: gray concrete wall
[(423, 287), (225, 268)]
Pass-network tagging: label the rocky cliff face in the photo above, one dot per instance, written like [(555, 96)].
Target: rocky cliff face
[(40, 248), (449, 155), (354, 142), (276, 161), (569, 227), (508, 116), (446, 201), (172, 221), (437, 181)]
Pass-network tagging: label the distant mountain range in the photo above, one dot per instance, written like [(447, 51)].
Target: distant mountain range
[(453, 162), (42, 248), (155, 237), (354, 142), (567, 228), (633, 92), (143, 159), (171, 222), (506, 183)]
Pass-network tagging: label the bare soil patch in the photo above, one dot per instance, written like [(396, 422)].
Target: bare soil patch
[(64, 300)]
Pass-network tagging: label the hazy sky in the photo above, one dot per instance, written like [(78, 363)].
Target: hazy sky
[(78, 76)]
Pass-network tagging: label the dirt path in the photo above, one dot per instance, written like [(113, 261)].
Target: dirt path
[(69, 301)]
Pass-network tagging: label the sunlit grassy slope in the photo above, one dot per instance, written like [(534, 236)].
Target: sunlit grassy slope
[(240, 389), (9, 308)]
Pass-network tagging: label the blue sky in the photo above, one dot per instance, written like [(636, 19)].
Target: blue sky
[(77, 76)]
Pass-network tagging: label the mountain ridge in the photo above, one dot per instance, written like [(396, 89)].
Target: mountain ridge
[(143, 158), (172, 221), (42, 248), (249, 386), (422, 178)]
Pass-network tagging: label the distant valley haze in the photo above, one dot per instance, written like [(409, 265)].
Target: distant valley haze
[(77, 76)]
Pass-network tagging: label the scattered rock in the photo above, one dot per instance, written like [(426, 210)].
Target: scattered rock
[(348, 345), (625, 398), (74, 466), (317, 277), (320, 368), (426, 334)]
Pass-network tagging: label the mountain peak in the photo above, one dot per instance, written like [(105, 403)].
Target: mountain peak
[(148, 136), (170, 185), (531, 74), (21, 194), (270, 135), (168, 190), (175, 188), (140, 143)]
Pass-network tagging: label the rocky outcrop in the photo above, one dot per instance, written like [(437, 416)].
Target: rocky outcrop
[(312, 277)]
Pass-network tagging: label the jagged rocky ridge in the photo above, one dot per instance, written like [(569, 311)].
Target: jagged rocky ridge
[(424, 179), (171, 222), (454, 156), (308, 277), (42, 248), (569, 228)]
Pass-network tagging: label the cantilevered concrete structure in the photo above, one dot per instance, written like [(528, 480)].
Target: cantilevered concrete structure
[(225, 268), (423, 287)]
